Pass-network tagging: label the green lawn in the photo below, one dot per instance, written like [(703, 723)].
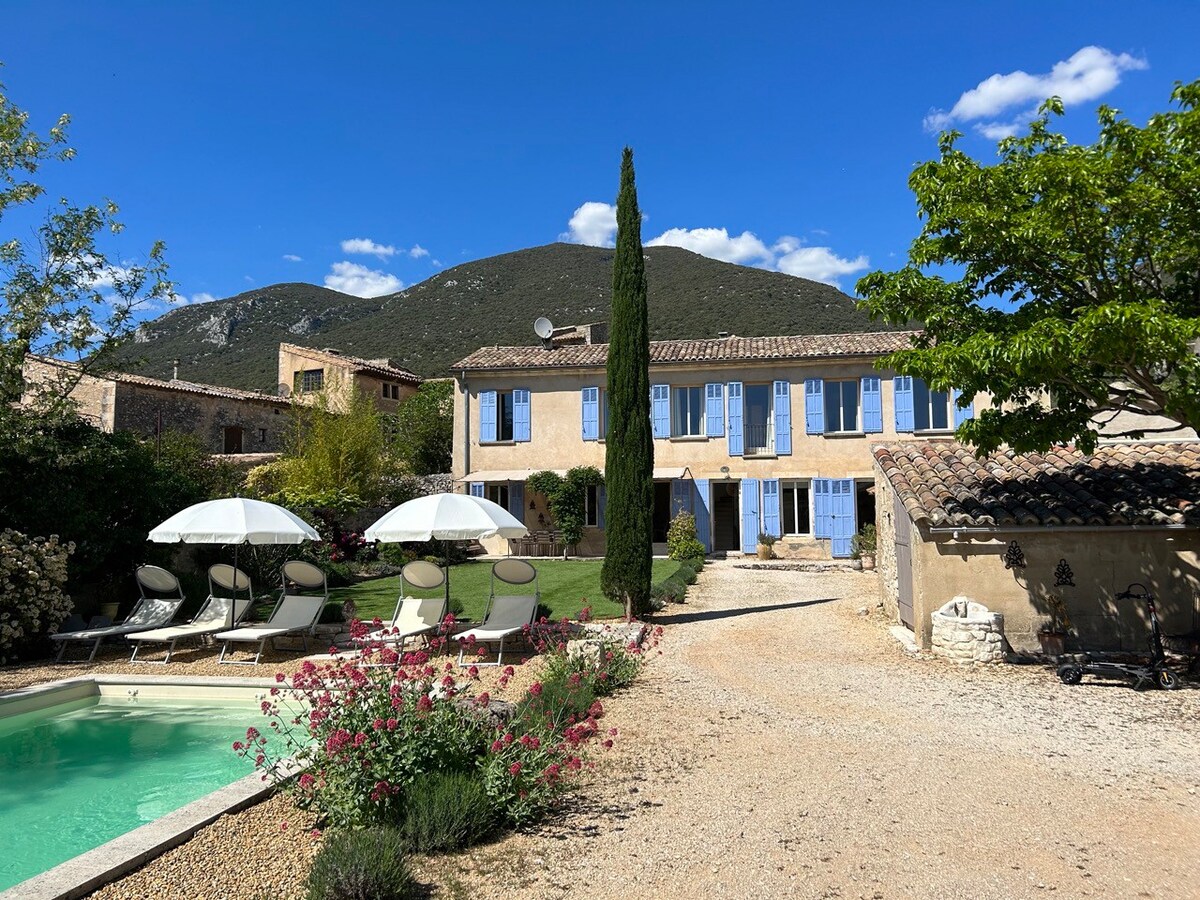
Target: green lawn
[(566, 586)]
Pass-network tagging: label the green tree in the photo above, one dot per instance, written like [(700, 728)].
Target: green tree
[(629, 453), (62, 296), (423, 433), (1078, 279)]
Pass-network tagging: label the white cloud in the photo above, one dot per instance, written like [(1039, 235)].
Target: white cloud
[(1090, 73), (716, 243), (292, 257), (359, 281), (201, 297), (368, 247), (819, 264), (418, 251), (593, 224)]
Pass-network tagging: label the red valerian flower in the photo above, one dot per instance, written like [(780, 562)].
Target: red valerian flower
[(424, 704), (535, 689), (514, 769)]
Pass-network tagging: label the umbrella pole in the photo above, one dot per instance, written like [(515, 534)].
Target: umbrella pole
[(446, 558)]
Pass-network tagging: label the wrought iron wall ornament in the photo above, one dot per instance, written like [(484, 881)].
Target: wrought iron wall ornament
[(1063, 576), (1014, 556)]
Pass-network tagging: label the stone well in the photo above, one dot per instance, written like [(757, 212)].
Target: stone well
[(968, 632)]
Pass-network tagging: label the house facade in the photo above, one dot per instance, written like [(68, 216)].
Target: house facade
[(751, 435), (305, 372)]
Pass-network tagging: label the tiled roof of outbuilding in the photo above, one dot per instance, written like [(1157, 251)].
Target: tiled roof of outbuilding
[(943, 484), (727, 349)]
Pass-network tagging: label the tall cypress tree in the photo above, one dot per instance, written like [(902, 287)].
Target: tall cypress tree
[(629, 454)]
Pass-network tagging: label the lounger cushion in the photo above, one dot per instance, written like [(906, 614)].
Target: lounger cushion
[(507, 615), (151, 613), (294, 613)]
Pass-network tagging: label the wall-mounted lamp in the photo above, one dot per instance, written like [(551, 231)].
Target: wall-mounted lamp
[(725, 471)]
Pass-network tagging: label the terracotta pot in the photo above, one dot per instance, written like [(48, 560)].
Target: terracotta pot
[(868, 563), (1054, 643), (109, 611), (764, 552)]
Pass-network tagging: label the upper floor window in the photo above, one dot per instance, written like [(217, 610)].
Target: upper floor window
[(841, 406), (309, 380), (504, 416), (687, 412), (931, 408), (390, 391), (758, 421)]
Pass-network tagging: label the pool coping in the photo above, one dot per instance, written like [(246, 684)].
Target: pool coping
[(83, 874)]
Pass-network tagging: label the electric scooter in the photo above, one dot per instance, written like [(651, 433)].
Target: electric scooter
[(1143, 674)]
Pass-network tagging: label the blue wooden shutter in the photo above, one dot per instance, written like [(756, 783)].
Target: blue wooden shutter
[(736, 443), (601, 503), (961, 415), (749, 514), (476, 488), (660, 403), (844, 518), (714, 409), (770, 507), (872, 405), (516, 500), (591, 413), (521, 421), (700, 509), (822, 508), (814, 406), (783, 418), (902, 389), (487, 416)]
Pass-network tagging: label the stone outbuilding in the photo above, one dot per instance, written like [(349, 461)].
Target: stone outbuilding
[(1018, 532), (305, 372)]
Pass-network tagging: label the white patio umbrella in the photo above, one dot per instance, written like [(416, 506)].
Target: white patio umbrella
[(234, 520), (445, 517)]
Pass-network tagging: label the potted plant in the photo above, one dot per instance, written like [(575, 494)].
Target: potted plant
[(1053, 634), (765, 543), (862, 547)]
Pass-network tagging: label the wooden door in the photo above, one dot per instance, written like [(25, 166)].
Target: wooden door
[(904, 576)]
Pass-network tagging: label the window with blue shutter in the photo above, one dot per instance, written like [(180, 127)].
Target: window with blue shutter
[(962, 414), (681, 496), (749, 515), (822, 507), (660, 410), (872, 405), (476, 488), (714, 414), (521, 419), (783, 418), (601, 504), (843, 517), (591, 413), (516, 500), (736, 444), (487, 417), (770, 507), (902, 388), (814, 406), (700, 510)]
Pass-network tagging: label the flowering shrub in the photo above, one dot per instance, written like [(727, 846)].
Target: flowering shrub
[(369, 730), (32, 601)]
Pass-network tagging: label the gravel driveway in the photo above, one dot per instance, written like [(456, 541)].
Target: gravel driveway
[(782, 745)]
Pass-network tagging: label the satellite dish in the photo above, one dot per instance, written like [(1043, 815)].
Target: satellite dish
[(543, 327)]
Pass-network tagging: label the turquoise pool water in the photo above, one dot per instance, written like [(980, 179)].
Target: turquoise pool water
[(78, 774)]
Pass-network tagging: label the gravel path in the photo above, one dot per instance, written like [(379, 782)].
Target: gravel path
[(784, 746)]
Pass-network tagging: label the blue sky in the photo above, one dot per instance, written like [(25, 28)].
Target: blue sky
[(367, 148)]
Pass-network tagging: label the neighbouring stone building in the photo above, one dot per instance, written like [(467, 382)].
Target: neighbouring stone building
[(1012, 530), (304, 372), (225, 420)]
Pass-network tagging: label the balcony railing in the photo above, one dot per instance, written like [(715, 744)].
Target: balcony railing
[(759, 439)]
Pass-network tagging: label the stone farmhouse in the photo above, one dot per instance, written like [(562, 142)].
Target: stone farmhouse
[(305, 372), (764, 434)]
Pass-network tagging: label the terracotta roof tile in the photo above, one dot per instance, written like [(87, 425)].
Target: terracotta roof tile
[(727, 349), (943, 485)]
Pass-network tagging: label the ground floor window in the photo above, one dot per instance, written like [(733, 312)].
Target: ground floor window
[(498, 494), (795, 507), (591, 504)]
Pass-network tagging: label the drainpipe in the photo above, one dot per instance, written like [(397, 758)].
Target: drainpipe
[(466, 422)]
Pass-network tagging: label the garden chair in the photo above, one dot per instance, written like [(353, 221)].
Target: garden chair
[(219, 612), (506, 614), (415, 616), (148, 613), (295, 613)]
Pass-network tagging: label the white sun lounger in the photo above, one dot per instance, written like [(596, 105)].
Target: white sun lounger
[(218, 613), (294, 614), (414, 616), (506, 614), (148, 613)]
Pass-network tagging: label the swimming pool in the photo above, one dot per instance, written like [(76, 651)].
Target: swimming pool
[(78, 773)]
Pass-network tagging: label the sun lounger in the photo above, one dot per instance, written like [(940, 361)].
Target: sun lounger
[(219, 613), (294, 614), (414, 616), (506, 614), (148, 613)]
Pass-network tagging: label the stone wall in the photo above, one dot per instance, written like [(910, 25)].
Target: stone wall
[(264, 423), (885, 552)]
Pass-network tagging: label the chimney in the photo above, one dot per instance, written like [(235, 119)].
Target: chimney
[(722, 334), (174, 370)]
